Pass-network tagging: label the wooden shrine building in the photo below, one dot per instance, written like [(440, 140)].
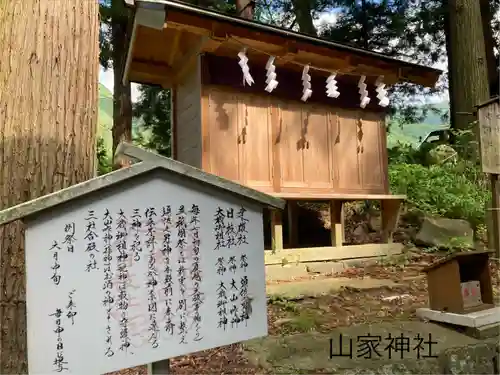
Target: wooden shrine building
[(325, 149)]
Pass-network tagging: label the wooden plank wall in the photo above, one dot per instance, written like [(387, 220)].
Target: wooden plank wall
[(188, 115), (277, 145)]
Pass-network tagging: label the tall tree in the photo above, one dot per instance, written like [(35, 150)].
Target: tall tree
[(303, 11), (48, 118), (487, 10), (245, 8), (469, 70), (113, 40), (153, 110), (395, 28)]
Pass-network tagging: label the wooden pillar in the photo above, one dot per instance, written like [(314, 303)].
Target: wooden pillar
[(336, 220), (293, 226), (159, 368), (495, 215), (277, 230), (390, 216)]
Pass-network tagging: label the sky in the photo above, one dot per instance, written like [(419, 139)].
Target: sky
[(326, 18)]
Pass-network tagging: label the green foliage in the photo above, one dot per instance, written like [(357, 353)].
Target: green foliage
[(454, 189), (153, 110), (455, 244), (435, 117), (395, 28), (103, 161), (105, 117)]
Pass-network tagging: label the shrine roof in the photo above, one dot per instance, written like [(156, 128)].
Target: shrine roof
[(146, 161), (166, 35), (457, 255)]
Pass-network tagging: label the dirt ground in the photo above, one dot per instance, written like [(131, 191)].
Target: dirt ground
[(345, 308)]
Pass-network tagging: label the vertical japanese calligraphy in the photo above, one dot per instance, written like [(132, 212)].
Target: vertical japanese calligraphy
[(90, 237), (136, 280), (225, 223), (166, 249), (222, 305), (231, 233), (59, 362), (108, 300), (123, 274), (233, 310), (241, 235), (71, 313), (152, 276), (136, 248), (181, 227), (196, 277), (246, 301), (56, 277), (219, 228), (69, 238)]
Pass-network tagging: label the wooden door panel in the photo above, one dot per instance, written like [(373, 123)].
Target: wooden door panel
[(223, 123), (371, 153), (318, 172), (256, 144), (291, 144), (347, 175)]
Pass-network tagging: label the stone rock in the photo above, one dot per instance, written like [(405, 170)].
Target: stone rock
[(441, 154), (413, 217), (325, 267), (277, 272), (375, 222), (360, 233), (443, 232), (282, 321), (472, 359)]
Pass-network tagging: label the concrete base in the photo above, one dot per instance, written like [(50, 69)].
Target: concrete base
[(278, 272), (484, 332), (473, 320)]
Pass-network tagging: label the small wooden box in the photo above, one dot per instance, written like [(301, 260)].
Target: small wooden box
[(460, 283)]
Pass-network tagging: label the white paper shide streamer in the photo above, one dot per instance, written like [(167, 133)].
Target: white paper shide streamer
[(331, 86), (306, 84), (363, 92), (381, 92), (271, 75), (247, 78)]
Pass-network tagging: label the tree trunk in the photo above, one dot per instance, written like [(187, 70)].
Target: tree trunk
[(302, 10), (122, 98), (489, 43), (365, 28), (449, 50), (468, 71), (245, 9), (48, 120)]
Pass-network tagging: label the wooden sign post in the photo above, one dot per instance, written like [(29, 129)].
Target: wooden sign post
[(146, 263), (489, 143)]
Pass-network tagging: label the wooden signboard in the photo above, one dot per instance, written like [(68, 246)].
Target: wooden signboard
[(163, 262), (489, 136)]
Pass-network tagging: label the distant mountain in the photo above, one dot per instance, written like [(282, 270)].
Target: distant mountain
[(412, 134), (105, 116)]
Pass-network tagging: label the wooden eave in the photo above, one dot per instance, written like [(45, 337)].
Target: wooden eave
[(493, 100), (146, 162), (162, 55), (454, 256)]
